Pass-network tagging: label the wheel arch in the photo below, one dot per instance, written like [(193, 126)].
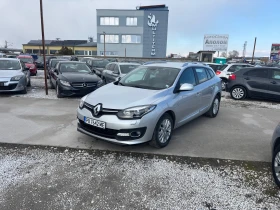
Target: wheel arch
[(276, 144), (173, 116)]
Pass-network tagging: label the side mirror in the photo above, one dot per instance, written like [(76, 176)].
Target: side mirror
[(56, 71), (186, 87), (118, 79)]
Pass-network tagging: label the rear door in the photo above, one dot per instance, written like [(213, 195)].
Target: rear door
[(257, 82), (205, 87), (274, 85)]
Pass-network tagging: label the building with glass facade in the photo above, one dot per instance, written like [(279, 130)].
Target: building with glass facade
[(133, 33)]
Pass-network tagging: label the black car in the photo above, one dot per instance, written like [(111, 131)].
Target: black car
[(52, 64), (40, 62), (97, 65), (73, 78), (49, 58), (257, 82)]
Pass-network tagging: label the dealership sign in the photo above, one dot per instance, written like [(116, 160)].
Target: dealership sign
[(215, 42), (152, 22)]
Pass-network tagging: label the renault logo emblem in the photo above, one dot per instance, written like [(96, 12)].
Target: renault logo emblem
[(97, 109), (84, 84)]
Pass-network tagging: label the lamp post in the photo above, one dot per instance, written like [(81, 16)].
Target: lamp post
[(104, 34)]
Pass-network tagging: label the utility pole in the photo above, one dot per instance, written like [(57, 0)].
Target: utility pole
[(125, 52), (104, 34), (254, 49), (43, 42)]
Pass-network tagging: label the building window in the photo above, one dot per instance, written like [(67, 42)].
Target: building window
[(28, 51), (131, 39), (131, 21), (94, 52), (109, 53), (109, 21), (109, 38), (79, 52)]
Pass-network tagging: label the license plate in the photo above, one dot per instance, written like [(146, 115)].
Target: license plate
[(95, 123)]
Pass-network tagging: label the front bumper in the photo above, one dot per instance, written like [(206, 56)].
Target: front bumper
[(71, 91), (12, 86), (114, 126)]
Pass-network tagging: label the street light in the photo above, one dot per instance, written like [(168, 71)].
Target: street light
[(104, 34)]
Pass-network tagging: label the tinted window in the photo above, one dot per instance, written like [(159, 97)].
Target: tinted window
[(127, 68), (257, 73), (187, 77), (201, 74), (275, 74), (235, 68), (74, 68)]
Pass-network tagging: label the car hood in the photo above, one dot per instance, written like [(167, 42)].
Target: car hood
[(79, 77), (113, 96), (10, 73)]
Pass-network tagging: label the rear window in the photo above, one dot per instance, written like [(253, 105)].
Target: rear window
[(223, 67)]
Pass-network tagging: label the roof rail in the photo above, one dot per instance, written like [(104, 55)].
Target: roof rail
[(151, 62)]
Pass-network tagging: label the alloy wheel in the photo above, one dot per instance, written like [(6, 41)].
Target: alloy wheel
[(216, 105), (238, 93), (277, 166), (164, 131)]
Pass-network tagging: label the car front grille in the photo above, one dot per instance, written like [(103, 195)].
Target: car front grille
[(107, 133), (10, 87), (104, 111), (83, 84)]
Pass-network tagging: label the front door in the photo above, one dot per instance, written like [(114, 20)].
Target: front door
[(186, 103), (274, 85), (258, 82)]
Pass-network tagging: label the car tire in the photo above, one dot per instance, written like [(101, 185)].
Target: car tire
[(29, 82), (215, 107), (238, 93), (276, 163), (164, 127), (51, 84), (224, 81), (24, 91), (58, 93)]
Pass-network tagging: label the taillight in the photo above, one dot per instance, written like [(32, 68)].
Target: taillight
[(232, 77), (218, 72)]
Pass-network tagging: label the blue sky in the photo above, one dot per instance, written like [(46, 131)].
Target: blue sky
[(189, 20)]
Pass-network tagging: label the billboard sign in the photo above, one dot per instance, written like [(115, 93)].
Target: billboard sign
[(275, 52), (215, 42)]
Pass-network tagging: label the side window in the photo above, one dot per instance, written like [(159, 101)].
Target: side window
[(187, 77), (211, 73), (276, 74), (263, 73), (112, 67), (201, 74), (116, 69), (108, 67)]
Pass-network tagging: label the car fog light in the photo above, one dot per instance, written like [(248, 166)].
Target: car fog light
[(123, 134)]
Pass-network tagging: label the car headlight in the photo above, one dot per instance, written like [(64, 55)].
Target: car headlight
[(135, 112), (65, 83), (100, 83), (82, 101), (16, 78)]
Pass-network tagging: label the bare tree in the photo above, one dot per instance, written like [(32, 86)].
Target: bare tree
[(233, 54), (224, 54)]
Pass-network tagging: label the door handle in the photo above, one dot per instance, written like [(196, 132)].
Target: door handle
[(247, 78), (198, 94), (273, 82)]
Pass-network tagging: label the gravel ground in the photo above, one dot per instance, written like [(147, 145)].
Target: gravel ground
[(57, 178)]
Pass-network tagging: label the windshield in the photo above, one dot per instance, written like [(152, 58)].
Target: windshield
[(127, 68), (9, 65), (54, 62), (74, 68), (223, 67), (26, 60), (150, 77), (99, 63)]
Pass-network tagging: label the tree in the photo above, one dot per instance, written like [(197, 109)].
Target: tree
[(65, 51), (224, 54), (233, 54)]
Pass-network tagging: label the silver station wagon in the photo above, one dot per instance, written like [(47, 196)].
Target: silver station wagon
[(150, 102)]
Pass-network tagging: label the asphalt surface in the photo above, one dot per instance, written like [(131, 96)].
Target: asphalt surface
[(240, 133)]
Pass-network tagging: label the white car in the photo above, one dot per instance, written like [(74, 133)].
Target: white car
[(228, 69)]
